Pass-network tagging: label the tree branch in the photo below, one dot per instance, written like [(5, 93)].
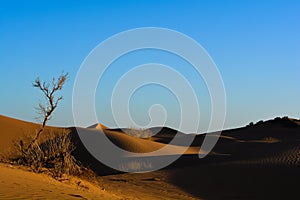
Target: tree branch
[(47, 110)]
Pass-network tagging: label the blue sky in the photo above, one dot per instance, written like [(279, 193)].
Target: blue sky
[(255, 44)]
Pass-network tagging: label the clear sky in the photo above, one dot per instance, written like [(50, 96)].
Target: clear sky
[(255, 44)]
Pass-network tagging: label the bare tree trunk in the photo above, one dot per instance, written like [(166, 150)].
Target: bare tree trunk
[(48, 89)]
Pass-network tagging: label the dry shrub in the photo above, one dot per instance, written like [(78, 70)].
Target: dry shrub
[(52, 154), (140, 133)]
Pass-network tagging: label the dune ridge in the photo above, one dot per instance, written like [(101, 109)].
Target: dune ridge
[(261, 160)]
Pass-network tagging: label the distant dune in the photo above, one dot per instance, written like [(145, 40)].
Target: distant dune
[(98, 126), (258, 161)]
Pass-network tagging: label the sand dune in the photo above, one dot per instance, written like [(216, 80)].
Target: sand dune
[(98, 126), (12, 130), (15, 183), (260, 161), (139, 145)]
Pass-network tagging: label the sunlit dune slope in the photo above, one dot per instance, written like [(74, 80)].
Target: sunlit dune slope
[(259, 160), (11, 130), (135, 144), (19, 184), (273, 141)]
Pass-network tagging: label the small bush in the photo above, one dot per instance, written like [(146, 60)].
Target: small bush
[(140, 133), (250, 124), (53, 154), (48, 152)]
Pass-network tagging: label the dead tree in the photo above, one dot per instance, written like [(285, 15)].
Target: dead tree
[(46, 110)]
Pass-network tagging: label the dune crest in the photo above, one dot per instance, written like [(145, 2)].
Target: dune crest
[(262, 158), (99, 126)]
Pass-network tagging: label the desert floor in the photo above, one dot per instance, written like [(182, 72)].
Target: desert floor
[(261, 161), (16, 183)]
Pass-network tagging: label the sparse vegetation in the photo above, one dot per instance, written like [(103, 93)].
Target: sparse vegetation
[(51, 153), (277, 119), (250, 124), (287, 122), (45, 111), (140, 133), (260, 122), (270, 139)]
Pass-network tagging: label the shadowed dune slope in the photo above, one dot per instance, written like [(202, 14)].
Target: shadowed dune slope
[(260, 161), (274, 142), (269, 141), (12, 130), (125, 142)]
